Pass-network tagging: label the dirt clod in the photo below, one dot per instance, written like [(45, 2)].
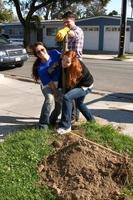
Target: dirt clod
[(80, 170)]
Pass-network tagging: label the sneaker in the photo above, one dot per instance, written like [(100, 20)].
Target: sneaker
[(43, 126), (62, 131)]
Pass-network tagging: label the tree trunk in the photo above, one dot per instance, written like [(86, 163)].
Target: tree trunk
[(27, 35)]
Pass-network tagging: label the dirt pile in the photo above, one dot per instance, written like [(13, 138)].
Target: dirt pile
[(80, 170)]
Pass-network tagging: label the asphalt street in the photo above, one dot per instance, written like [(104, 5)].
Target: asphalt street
[(109, 75)]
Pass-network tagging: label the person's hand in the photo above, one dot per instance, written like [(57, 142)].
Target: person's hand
[(61, 34), (71, 33), (52, 68), (58, 95)]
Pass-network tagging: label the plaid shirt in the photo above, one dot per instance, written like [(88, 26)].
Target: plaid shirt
[(76, 43)]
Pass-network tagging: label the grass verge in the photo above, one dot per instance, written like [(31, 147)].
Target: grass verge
[(109, 137)]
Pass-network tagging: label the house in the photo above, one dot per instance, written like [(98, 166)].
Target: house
[(101, 33), (13, 30)]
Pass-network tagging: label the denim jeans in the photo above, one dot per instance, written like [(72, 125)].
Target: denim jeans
[(79, 95), (51, 108)]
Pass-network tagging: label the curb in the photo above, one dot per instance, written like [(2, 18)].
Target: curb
[(19, 78)]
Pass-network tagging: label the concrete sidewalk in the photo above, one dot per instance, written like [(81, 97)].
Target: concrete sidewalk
[(129, 57), (21, 101)]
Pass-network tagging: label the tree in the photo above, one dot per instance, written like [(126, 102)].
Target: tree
[(26, 8), (114, 12), (82, 9), (95, 8), (131, 1), (6, 15), (131, 4)]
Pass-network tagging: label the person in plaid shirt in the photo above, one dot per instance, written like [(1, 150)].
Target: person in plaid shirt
[(75, 43), (75, 35)]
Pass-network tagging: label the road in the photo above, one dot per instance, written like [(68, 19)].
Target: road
[(112, 76)]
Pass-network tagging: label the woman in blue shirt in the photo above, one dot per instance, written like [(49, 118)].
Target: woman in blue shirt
[(46, 69)]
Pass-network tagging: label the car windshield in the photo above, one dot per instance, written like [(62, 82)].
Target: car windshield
[(3, 40)]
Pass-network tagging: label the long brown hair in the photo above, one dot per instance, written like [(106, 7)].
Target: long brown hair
[(37, 61), (74, 72)]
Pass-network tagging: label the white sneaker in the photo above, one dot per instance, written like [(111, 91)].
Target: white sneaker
[(62, 131)]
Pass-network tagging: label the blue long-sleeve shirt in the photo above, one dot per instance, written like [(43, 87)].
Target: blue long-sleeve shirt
[(44, 76)]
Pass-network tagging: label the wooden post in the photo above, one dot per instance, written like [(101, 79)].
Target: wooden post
[(65, 48)]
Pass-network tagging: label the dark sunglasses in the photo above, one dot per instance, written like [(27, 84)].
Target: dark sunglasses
[(41, 50)]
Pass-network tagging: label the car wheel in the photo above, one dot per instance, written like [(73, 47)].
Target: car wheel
[(19, 64)]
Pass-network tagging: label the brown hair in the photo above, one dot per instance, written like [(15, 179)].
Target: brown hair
[(74, 72), (69, 14), (35, 45), (37, 61)]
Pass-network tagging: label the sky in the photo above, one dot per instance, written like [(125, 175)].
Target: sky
[(116, 5)]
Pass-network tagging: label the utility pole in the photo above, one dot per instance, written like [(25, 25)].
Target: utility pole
[(122, 29)]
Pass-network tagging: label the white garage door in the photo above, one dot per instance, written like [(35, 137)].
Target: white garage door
[(91, 35), (111, 38)]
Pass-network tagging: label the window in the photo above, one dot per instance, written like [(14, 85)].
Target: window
[(108, 29), (51, 31), (93, 28), (96, 29), (90, 28), (115, 28), (84, 28)]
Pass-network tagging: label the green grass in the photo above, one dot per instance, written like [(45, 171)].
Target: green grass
[(123, 57), (21, 152), (109, 137), (19, 156)]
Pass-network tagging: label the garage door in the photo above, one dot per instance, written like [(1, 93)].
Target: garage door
[(91, 35), (111, 38)]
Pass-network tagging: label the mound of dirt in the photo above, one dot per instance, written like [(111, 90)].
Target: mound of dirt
[(81, 170)]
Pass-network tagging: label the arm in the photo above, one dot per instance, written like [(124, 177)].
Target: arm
[(53, 88)]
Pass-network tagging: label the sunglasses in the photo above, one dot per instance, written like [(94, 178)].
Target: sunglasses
[(40, 51)]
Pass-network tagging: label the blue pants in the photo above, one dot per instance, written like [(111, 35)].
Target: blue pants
[(77, 94), (51, 108)]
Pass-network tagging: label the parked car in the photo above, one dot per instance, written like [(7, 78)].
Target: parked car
[(10, 54), (16, 41)]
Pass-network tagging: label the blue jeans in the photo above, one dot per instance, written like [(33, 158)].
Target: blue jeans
[(51, 108), (77, 94)]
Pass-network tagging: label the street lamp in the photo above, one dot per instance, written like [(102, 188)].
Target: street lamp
[(122, 29)]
